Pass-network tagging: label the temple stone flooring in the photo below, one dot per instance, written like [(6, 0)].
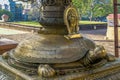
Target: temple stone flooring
[(4, 31)]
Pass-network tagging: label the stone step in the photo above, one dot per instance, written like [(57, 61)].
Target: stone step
[(6, 45)]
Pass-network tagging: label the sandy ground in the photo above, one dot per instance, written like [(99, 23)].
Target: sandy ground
[(99, 37), (4, 31), (96, 35)]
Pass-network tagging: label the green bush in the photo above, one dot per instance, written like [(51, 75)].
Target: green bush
[(2, 11)]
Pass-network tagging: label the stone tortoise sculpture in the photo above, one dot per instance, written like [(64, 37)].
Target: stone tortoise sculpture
[(58, 48)]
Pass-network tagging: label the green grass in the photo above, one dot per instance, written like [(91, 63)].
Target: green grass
[(28, 23), (90, 22), (36, 24)]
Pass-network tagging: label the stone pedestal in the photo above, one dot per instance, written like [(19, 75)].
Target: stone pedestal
[(110, 27), (109, 71), (5, 17), (110, 33)]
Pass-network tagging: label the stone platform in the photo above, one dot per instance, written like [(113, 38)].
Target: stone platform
[(110, 71)]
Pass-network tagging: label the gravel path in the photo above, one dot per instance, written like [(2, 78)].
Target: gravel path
[(96, 35)]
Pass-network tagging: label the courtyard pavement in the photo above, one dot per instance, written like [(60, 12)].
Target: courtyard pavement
[(4, 31), (97, 35)]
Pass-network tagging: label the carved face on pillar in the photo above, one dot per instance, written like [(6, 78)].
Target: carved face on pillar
[(72, 21)]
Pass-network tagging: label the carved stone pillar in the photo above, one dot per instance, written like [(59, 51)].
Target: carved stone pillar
[(53, 16)]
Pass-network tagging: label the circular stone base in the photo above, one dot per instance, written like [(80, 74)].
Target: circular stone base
[(109, 71)]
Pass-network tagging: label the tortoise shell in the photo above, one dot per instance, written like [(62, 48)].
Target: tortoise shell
[(52, 49)]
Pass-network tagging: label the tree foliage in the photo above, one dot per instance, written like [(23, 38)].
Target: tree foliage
[(82, 5), (2, 11), (94, 8), (102, 8), (35, 10)]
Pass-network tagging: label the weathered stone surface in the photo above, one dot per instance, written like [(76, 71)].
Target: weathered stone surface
[(51, 55), (52, 49), (106, 72)]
